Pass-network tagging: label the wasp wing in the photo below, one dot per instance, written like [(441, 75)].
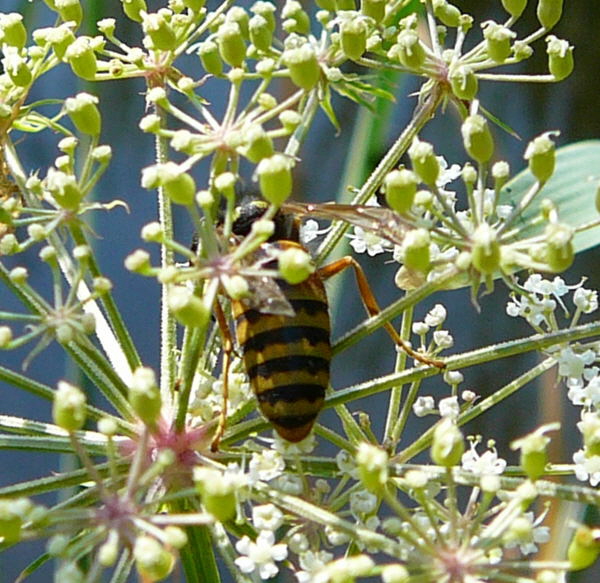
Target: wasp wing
[(267, 297), (382, 221)]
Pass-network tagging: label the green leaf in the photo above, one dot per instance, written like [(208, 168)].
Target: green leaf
[(328, 109), (572, 189)]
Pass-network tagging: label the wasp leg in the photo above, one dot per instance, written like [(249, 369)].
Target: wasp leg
[(227, 351), (372, 306)]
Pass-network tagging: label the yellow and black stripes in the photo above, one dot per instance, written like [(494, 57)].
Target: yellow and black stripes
[(287, 358)]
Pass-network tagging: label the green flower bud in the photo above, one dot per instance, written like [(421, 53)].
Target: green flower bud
[(194, 5), (560, 57), (497, 40), (236, 287), (533, 448), (231, 44), (187, 307), (218, 493), (12, 30), (424, 161), (210, 58), (83, 112), (133, 9), (560, 252), (16, 67), (290, 120), (69, 10), (485, 252), (144, 395), (396, 573), (400, 187), (82, 58), (415, 249), (178, 185), (514, 7), (152, 561), (153, 232), (266, 10), (408, 50), (500, 174), (68, 409), (6, 336), (295, 265), (328, 5), (463, 82), (11, 520), (160, 31), (64, 189), (353, 34), (372, 465), (239, 16), (549, 12), (374, 9), (60, 38), (303, 65), (275, 178), (541, 155), (477, 138), (446, 13), (295, 19), (448, 444), (584, 548), (261, 34), (139, 262), (258, 144)]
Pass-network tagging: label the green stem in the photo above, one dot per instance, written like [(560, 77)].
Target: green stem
[(167, 321)]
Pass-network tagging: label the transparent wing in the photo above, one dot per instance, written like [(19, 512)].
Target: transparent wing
[(266, 294), (382, 221), (267, 297)]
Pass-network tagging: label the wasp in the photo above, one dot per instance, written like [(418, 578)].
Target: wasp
[(283, 330)]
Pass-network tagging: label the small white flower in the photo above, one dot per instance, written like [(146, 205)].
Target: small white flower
[(424, 406), (587, 468), (436, 316), (336, 537), (309, 231), (260, 554), (443, 339), (368, 241), (449, 407), (572, 364), (420, 328), (267, 517), (363, 502), (468, 396), (346, 463), (485, 464), (289, 483), (266, 465), (453, 377), (586, 300), (311, 563)]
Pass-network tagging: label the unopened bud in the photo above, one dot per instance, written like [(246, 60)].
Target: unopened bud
[(549, 12), (187, 307), (218, 493), (408, 50), (231, 44), (69, 10), (134, 8), (353, 34), (258, 144), (12, 30), (372, 464), (485, 252), (374, 9), (477, 138), (68, 409), (415, 248), (514, 7), (159, 30), (82, 58), (584, 548), (446, 13), (144, 395), (152, 560), (275, 178), (83, 110), (210, 58), (448, 444), (295, 265), (303, 66), (463, 82), (541, 155), (424, 161), (560, 57)]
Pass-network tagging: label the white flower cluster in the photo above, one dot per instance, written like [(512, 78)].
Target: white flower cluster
[(575, 364)]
